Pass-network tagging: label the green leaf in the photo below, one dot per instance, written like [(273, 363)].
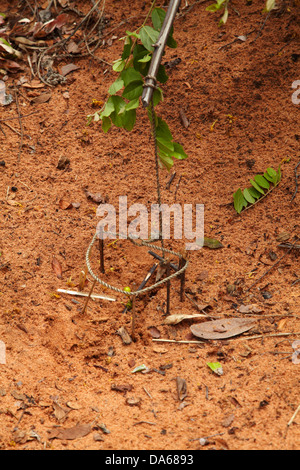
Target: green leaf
[(239, 201), (119, 103), (116, 86), (171, 42), (106, 124), (139, 52), (148, 37), (248, 196), (134, 34), (179, 153), (270, 4), (109, 108), (146, 58), (271, 175), (158, 16), (157, 96), (127, 48), (261, 181), (224, 17), (257, 187), (278, 175), (118, 65), (161, 76), (166, 160), (254, 193), (133, 90), (129, 118), (130, 75), (212, 243), (162, 129), (214, 7), (165, 146), (132, 104), (215, 367)]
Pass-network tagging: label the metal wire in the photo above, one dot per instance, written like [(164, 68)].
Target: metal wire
[(140, 243)]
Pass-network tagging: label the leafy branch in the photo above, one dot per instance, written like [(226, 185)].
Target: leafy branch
[(125, 92), (256, 192)]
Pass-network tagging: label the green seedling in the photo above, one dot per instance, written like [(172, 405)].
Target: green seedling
[(261, 186)]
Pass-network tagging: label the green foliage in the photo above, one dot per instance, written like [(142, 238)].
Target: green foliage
[(261, 186), (270, 5), (219, 5), (125, 92)]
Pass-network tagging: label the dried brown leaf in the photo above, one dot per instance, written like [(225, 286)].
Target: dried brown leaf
[(154, 332), (68, 68), (80, 430), (123, 388), (221, 329), (181, 388), (42, 98), (59, 413), (64, 204), (95, 197), (178, 317), (57, 268)]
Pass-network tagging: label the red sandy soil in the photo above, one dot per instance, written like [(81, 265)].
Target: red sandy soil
[(66, 369)]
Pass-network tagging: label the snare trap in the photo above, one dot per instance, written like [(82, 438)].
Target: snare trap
[(140, 70)]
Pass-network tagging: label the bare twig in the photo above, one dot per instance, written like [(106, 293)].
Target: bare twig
[(262, 27), (174, 341), (20, 123), (268, 270), (264, 336), (89, 296), (297, 175), (294, 416)]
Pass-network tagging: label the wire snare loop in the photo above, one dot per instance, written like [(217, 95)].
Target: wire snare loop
[(146, 289)]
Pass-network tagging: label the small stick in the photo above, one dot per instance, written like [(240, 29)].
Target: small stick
[(170, 180), (133, 318), (263, 336), (20, 123), (177, 186), (268, 270), (89, 296), (168, 288), (296, 181), (174, 341), (148, 393), (83, 294), (294, 416)]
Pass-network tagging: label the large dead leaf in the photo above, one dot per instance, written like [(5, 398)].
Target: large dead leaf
[(221, 329), (80, 430)]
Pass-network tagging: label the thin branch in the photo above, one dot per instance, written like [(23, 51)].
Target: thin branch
[(297, 175), (20, 123)]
